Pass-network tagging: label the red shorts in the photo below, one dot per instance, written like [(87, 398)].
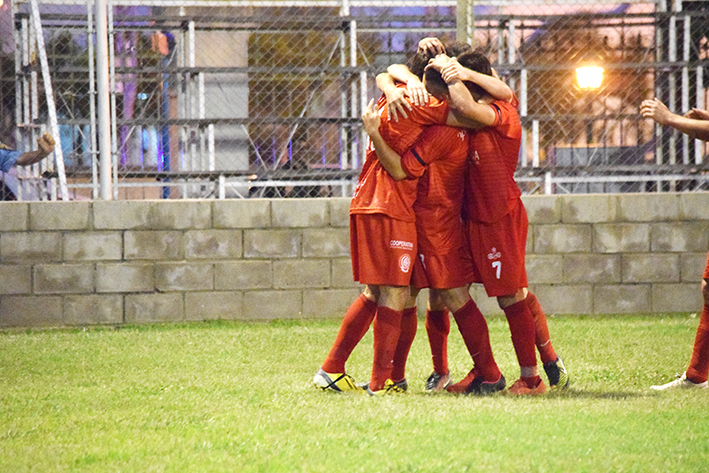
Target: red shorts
[(706, 269), (383, 249), (443, 260), (498, 251)]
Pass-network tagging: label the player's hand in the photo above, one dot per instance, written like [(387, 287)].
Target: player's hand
[(45, 144), (417, 92), (397, 103), (452, 71), (656, 110), (697, 114), (370, 119), (432, 46), (437, 63)]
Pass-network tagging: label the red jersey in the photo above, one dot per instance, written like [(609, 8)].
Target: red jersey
[(491, 191), (439, 159), (377, 192)]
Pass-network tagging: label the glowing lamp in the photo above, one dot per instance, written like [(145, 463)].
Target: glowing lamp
[(589, 77)]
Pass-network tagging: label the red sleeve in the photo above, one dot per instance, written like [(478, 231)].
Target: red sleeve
[(433, 144)]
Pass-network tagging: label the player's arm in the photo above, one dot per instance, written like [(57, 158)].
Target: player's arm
[(695, 127), (414, 87), (390, 159), (45, 145), (396, 102), (492, 85)]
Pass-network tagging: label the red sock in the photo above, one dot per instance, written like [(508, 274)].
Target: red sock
[(698, 370), (406, 338), (543, 340), (387, 327), (523, 332), (355, 324), (438, 326), (473, 328)]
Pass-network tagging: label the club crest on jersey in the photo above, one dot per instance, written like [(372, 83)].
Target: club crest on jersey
[(461, 135), (494, 254), (405, 263)]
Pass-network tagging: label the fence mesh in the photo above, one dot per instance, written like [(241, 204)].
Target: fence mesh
[(262, 98)]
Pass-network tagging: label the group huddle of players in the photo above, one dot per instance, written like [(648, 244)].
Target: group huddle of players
[(436, 206)]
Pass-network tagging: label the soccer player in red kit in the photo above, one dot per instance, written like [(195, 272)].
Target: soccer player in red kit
[(694, 123), (496, 226), (383, 250)]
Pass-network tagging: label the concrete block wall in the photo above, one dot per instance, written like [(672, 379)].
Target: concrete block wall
[(84, 263)]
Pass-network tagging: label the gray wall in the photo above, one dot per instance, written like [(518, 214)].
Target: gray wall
[(85, 263)]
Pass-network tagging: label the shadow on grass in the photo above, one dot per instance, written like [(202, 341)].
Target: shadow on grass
[(581, 394)]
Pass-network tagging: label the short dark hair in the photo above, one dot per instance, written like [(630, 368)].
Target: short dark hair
[(418, 63), (456, 48), (478, 62)]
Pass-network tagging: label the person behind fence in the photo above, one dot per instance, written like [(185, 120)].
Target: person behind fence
[(694, 123), (10, 158)]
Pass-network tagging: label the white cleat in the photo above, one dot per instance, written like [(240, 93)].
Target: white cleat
[(680, 383)]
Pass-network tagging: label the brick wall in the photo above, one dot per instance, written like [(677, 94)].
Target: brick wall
[(83, 263)]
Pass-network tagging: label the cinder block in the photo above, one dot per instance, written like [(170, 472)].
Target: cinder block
[(184, 276), (342, 273), (326, 242), (31, 247), (648, 207), (588, 208), (676, 298), (621, 238), (680, 236), (292, 274), (30, 311), (125, 277), (152, 245), (562, 238), (340, 211), (155, 307), (242, 213), (564, 298), (270, 305), (542, 209), (694, 205), (293, 213), (180, 214), (64, 279), (214, 305), (213, 244), (93, 309), (650, 267), (122, 215), (544, 269), (330, 303), (622, 299), (691, 267), (592, 268), (15, 216), (240, 275), (59, 215), (272, 243), (91, 246), (15, 279)]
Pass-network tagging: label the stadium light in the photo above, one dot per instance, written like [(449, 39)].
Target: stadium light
[(589, 77)]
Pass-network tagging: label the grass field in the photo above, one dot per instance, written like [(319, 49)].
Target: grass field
[(238, 397)]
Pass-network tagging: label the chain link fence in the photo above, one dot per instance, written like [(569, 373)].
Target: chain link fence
[(224, 99)]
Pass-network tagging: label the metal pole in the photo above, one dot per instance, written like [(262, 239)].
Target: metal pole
[(465, 21), (49, 93), (92, 101)]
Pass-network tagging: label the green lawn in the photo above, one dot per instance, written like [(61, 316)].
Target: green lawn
[(238, 398)]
